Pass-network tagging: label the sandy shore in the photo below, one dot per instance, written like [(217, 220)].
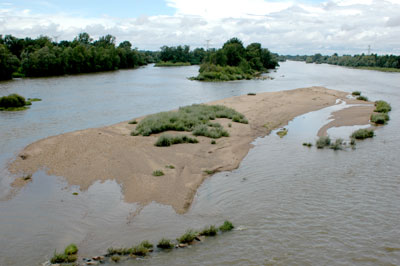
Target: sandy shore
[(86, 156)]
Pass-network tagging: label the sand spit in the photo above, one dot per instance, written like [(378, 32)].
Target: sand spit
[(98, 154)]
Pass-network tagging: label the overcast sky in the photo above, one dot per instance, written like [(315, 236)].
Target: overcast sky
[(285, 27)]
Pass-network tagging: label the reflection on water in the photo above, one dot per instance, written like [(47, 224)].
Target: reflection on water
[(299, 205)]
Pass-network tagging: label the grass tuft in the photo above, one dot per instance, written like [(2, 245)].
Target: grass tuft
[(209, 231), (165, 244), (380, 118), (362, 98), (323, 142), (337, 145), (189, 118), (209, 172), (307, 144), (166, 140), (140, 250), (71, 249), (227, 226), (187, 237), (170, 166), (356, 93), (281, 133), (362, 134), (146, 244), (251, 93), (382, 107), (133, 122), (158, 173), (115, 258)]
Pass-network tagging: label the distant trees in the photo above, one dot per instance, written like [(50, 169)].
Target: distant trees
[(373, 60), (42, 57), (182, 54)]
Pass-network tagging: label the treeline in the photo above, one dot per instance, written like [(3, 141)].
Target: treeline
[(182, 54), (233, 62), (42, 57), (372, 61)]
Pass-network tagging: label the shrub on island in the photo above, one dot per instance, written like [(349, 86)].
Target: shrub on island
[(362, 134)]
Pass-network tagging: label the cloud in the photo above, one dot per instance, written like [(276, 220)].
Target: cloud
[(288, 27)]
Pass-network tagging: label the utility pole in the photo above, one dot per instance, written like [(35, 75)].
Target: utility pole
[(55, 38), (207, 44), (369, 49)]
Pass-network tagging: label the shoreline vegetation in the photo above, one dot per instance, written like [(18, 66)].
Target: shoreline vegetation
[(383, 63), (235, 62), (16, 102), (144, 249), (70, 154), (171, 64)]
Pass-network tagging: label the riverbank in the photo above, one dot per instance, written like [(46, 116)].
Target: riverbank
[(99, 154)]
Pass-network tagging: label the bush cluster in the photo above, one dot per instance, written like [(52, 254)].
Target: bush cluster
[(362, 134), (166, 140)]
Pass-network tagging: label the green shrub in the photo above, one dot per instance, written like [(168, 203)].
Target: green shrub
[(187, 118), (380, 118), (362, 98), (119, 251), (146, 244), (323, 142), (158, 173), (140, 250), (356, 93), (213, 142), (63, 258), (165, 244), (382, 107), (170, 166), (227, 226), (12, 100), (34, 99), (133, 122), (166, 140), (171, 64), (337, 145), (251, 93), (281, 133), (71, 249), (115, 258), (307, 144), (362, 134), (209, 172), (209, 231), (187, 237), (210, 132)]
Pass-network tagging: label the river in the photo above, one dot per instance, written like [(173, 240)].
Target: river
[(295, 205)]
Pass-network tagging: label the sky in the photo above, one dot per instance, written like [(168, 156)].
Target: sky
[(286, 27)]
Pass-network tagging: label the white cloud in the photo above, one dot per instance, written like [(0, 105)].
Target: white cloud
[(343, 26)]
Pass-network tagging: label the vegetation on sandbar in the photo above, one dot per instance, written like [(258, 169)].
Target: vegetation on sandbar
[(13, 102), (166, 140), (323, 142), (380, 118), (282, 132), (362, 134), (171, 64), (362, 98), (382, 107), (235, 62), (158, 173), (194, 118), (356, 93), (69, 255)]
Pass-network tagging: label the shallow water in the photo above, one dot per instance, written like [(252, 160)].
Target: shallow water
[(298, 205)]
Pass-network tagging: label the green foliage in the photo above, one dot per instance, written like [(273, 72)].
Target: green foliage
[(380, 118), (213, 142), (165, 244), (133, 122), (71, 249), (171, 64), (356, 93), (187, 237), (140, 250), (362, 134), (209, 231), (59, 258), (323, 142), (34, 99), (189, 118), (307, 144), (227, 226), (362, 98), (146, 244), (119, 251), (209, 172), (115, 258), (166, 140), (158, 173), (281, 133), (382, 107), (337, 145), (8, 63), (170, 166), (181, 55), (12, 100)]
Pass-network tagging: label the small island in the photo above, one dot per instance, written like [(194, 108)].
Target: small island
[(15, 102)]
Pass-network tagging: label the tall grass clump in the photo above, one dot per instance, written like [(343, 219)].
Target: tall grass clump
[(380, 118), (158, 173), (166, 140), (68, 256), (165, 244), (362, 98), (187, 237), (226, 226), (140, 250), (323, 142), (337, 145), (382, 107), (362, 134), (187, 119), (209, 231)]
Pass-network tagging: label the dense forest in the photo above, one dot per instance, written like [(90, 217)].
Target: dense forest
[(233, 62), (182, 54), (359, 61), (42, 57)]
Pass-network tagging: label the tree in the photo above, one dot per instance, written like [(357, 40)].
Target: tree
[(8, 63)]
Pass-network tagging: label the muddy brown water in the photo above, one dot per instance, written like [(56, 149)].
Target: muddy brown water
[(294, 205)]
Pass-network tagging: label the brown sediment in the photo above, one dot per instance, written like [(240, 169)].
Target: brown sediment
[(86, 156), (355, 115)]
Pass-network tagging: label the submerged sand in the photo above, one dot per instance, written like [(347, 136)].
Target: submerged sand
[(99, 154)]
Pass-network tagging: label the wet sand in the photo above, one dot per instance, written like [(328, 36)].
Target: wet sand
[(98, 154)]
